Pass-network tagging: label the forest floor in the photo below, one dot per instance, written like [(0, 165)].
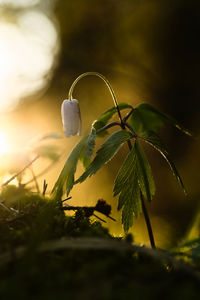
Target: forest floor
[(45, 254)]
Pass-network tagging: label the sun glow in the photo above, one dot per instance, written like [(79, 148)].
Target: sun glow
[(27, 56), (5, 146)]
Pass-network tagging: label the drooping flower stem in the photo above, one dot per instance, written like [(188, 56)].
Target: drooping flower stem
[(105, 81)]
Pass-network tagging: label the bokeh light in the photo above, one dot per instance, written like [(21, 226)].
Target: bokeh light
[(28, 48)]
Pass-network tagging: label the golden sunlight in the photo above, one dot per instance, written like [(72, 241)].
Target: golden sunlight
[(4, 144), (27, 55)]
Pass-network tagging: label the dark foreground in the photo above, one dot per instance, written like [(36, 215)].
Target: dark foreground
[(46, 255)]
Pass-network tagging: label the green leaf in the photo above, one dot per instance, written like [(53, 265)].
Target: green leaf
[(66, 177), (105, 153), (145, 177), (126, 183), (88, 150), (154, 140), (143, 119), (106, 116), (132, 206), (152, 119), (90, 144), (127, 171)]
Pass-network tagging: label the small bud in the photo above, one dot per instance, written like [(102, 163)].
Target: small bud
[(71, 117)]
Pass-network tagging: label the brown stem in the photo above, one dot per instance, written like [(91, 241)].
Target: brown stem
[(148, 223)]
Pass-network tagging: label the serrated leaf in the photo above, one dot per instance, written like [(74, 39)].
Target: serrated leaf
[(105, 153), (152, 119), (90, 144), (126, 171), (106, 116), (145, 177), (66, 178), (132, 207), (126, 183), (170, 119), (143, 119), (88, 150), (154, 140)]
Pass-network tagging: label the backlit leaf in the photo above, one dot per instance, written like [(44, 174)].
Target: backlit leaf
[(132, 206), (66, 178), (134, 176), (143, 119), (154, 140), (127, 171), (105, 153), (147, 118), (88, 150), (144, 172)]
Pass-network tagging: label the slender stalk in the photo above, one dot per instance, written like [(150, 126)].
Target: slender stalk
[(20, 172), (34, 179), (107, 84), (148, 223)]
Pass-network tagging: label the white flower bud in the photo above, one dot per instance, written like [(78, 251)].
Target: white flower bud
[(71, 117)]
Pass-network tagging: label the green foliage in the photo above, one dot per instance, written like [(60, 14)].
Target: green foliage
[(44, 245), (154, 140), (134, 179), (105, 153), (145, 178), (147, 118), (143, 119), (66, 177), (157, 114), (88, 150), (106, 116), (134, 175), (146, 121)]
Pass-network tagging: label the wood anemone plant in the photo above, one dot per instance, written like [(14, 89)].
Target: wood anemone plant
[(134, 182)]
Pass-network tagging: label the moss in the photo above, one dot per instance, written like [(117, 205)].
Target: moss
[(75, 273)]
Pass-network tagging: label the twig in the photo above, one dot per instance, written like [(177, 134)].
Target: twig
[(20, 172), (44, 187), (101, 207), (44, 171), (34, 179)]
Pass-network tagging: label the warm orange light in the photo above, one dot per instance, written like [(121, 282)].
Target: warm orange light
[(4, 144), (27, 55)]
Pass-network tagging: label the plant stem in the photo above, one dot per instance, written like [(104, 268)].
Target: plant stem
[(148, 223), (107, 84)]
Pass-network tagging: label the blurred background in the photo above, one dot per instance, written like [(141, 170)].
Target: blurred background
[(148, 49)]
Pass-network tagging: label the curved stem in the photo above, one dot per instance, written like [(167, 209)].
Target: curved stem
[(105, 81)]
